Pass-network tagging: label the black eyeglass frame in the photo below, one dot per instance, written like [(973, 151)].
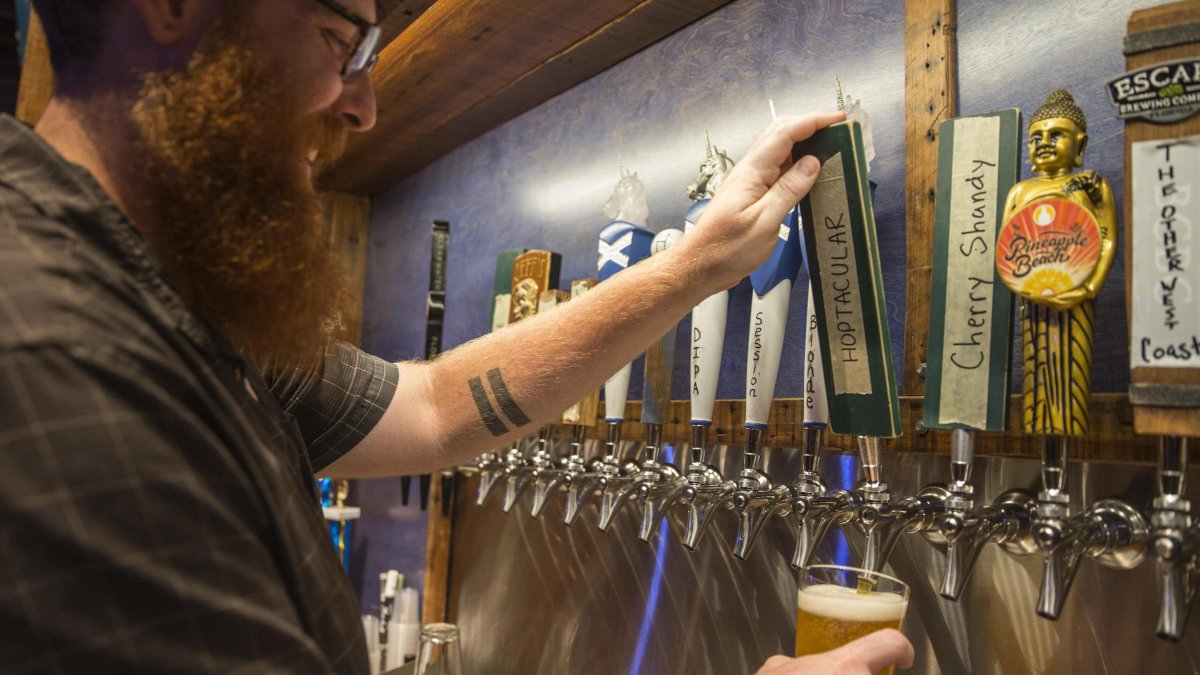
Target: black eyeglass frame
[(364, 55)]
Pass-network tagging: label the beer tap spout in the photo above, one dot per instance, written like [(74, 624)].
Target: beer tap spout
[(1005, 522), (967, 531), (1175, 541), (491, 469), (615, 478), (756, 498), (1111, 531), (704, 492), (549, 472), (814, 509), (518, 469), (881, 520), (657, 487)]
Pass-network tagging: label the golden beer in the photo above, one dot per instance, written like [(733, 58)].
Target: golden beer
[(831, 610)]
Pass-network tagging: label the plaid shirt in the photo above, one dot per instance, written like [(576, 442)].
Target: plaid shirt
[(157, 508)]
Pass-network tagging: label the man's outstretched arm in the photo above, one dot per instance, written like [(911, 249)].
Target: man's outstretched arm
[(507, 384)]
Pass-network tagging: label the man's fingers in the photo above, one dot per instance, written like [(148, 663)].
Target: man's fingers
[(774, 146), (794, 184), (881, 649)]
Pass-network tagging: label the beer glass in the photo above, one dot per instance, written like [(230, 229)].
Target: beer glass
[(439, 653), (838, 604)]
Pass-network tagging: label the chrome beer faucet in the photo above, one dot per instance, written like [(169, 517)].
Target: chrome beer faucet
[(756, 498), (615, 477), (518, 468), (1006, 521), (704, 491), (881, 520), (1110, 531), (659, 482), (564, 471), (659, 485), (814, 509), (1176, 540)]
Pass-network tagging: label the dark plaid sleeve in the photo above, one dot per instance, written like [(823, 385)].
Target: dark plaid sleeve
[(132, 540), (337, 404)]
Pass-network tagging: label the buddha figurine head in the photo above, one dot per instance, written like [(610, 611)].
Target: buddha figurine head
[(1057, 135)]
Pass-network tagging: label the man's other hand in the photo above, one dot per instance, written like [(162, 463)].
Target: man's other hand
[(865, 656)]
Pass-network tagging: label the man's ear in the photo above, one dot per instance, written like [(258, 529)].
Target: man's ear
[(172, 23)]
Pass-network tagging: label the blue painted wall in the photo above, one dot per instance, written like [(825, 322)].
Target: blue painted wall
[(539, 181)]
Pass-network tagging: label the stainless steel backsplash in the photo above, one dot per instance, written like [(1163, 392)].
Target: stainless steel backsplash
[(534, 596)]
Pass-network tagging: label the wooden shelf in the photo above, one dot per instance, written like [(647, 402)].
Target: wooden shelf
[(460, 68)]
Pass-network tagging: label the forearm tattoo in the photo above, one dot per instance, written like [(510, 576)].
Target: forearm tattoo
[(490, 419), (511, 410), (504, 399)]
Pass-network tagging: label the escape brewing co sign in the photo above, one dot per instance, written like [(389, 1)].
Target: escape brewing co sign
[(1163, 93)]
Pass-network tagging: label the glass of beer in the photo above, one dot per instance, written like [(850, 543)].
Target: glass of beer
[(838, 604)]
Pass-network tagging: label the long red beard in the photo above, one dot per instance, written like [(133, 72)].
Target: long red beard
[(236, 219)]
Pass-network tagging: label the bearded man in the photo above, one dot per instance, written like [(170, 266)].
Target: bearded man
[(160, 249)]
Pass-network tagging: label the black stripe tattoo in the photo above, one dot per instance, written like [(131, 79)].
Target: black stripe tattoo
[(490, 419), (511, 410)]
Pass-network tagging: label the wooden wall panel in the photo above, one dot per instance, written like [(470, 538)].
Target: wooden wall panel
[(930, 97)]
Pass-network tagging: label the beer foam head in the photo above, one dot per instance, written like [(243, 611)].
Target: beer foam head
[(847, 604)]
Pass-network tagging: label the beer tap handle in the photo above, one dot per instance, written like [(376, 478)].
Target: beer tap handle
[(706, 345), (772, 284), (621, 245), (816, 403), (660, 360)]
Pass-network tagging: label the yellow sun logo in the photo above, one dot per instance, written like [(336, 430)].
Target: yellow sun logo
[(1047, 282), (1044, 215)]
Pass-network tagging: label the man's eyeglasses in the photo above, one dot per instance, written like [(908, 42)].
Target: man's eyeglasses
[(363, 57)]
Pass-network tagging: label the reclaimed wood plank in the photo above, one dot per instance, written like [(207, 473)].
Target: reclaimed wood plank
[(930, 97)]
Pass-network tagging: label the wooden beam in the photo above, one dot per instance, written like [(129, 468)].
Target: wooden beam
[(395, 16), (37, 77), (930, 86), (348, 218), (435, 603), (466, 66), (1111, 438)]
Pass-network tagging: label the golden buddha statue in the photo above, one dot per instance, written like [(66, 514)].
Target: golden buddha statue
[(1055, 251)]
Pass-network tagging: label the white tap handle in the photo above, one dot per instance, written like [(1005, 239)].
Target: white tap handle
[(768, 321), (616, 390), (708, 340), (816, 405)]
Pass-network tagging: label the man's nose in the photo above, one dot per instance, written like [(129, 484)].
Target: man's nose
[(356, 105)]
